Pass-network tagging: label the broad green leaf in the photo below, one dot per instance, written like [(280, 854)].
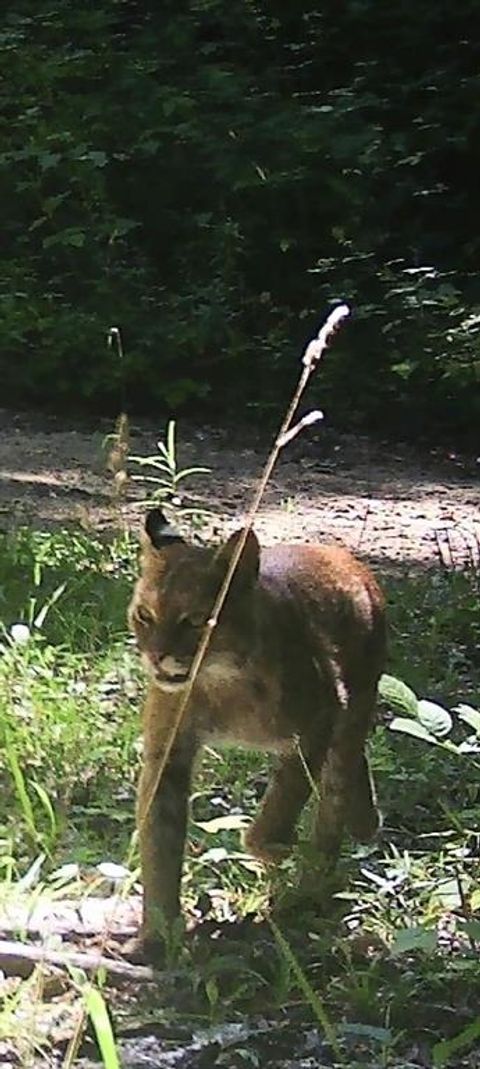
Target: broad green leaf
[(469, 716), (397, 694), (69, 237), (412, 727), (434, 718), (76, 238), (47, 160), (471, 745), (99, 159), (450, 892), (472, 928), (214, 855), (69, 871), (367, 1031), (231, 823), (112, 871), (418, 938)]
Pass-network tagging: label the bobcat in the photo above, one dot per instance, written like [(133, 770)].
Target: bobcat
[(292, 667)]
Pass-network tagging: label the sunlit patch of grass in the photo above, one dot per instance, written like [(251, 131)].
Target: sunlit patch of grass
[(69, 686), (69, 738)]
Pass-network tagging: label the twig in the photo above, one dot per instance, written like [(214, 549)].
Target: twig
[(120, 439), (306, 768), (311, 358), (311, 417), (364, 524)]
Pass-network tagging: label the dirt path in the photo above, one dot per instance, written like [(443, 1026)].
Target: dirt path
[(391, 505)]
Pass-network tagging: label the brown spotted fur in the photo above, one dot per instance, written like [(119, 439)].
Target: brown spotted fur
[(294, 663)]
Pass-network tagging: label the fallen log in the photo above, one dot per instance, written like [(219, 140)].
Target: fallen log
[(20, 959)]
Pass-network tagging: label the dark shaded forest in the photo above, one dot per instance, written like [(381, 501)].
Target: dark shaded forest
[(212, 178)]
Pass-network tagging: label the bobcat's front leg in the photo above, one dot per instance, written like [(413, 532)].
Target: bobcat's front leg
[(271, 834), (162, 811)]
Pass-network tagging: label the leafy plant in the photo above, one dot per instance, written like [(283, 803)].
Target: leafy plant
[(429, 721), (168, 480)]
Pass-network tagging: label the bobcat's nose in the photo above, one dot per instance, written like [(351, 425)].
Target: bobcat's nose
[(171, 668), (169, 673)]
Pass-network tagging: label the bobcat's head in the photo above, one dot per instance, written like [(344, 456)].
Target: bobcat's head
[(174, 598)]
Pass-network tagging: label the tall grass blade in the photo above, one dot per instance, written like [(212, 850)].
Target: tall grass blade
[(21, 789), (47, 806), (313, 999), (98, 1013), (171, 445), (41, 616)]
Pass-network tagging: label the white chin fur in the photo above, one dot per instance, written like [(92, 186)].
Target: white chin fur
[(169, 686)]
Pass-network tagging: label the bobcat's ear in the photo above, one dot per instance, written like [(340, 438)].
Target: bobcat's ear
[(249, 563), (159, 531)]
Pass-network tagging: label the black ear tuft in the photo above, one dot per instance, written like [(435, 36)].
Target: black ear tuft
[(159, 530)]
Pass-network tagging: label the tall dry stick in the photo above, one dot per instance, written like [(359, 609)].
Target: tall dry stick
[(310, 360)]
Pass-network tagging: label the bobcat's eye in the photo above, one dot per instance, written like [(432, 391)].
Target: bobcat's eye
[(144, 616), (194, 621)]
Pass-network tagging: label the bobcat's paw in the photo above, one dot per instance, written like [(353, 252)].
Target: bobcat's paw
[(271, 853), (364, 825)]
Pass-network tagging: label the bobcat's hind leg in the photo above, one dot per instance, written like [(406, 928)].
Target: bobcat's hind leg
[(271, 834), (363, 817), (346, 789)]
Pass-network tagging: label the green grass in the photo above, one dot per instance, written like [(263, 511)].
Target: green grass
[(69, 704)]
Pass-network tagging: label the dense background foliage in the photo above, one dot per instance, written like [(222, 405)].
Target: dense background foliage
[(212, 176)]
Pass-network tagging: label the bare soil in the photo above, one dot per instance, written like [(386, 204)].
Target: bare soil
[(392, 505)]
